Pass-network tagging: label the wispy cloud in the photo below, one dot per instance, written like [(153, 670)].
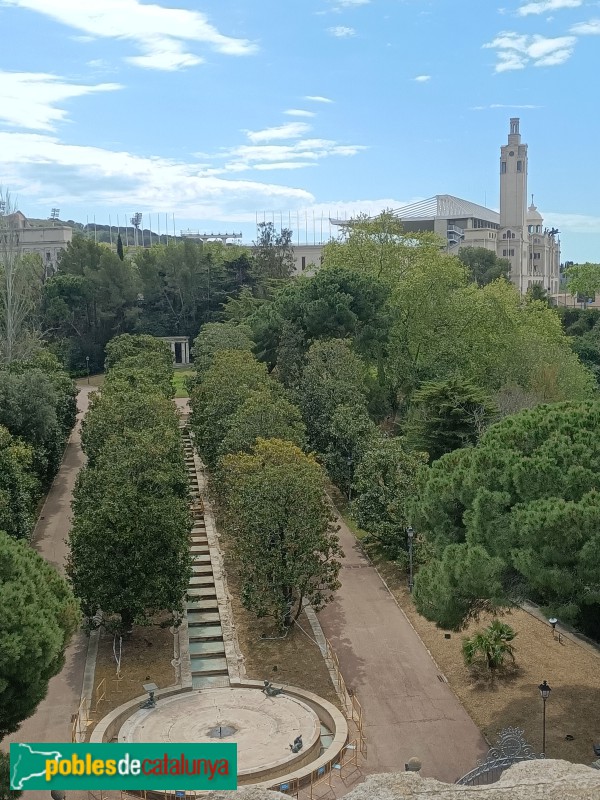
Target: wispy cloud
[(315, 98), (341, 31), (302, 153), (543, 6), (292, 130), (516, 51), (575, 223), (350, 3), (163, 35), (587, 28), (299, 112), (47, 171), (422, 78), (29, 99), (504, 105)]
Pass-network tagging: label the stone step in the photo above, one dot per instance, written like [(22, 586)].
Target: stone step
[(204, 632), (202, 569), (200, 559), (210, 682), (199, 619), (200, 549), (207, 649), (201, 591), (204, 665), (202, 604), (202, 580)]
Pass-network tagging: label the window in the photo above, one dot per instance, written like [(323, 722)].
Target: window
[(537, 256), (504, 235), (511, 252), (519, 166), (503, 168)]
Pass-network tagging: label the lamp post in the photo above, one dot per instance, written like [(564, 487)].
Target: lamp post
[(410, 533), (350, 461), (87, 364), (545, 693)]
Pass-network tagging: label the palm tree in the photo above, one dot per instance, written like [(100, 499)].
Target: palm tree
[(492, 643)]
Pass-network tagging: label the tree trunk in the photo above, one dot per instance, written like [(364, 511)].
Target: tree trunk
[(127, 621)]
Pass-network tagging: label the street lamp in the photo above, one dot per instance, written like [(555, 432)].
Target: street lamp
[(87, 364), (545, 693), (350, 461), (410, 533)]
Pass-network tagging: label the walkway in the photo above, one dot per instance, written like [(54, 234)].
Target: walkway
[(409, 709), (52, 719)]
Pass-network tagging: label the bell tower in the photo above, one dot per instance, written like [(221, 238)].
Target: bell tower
[(513, 236)]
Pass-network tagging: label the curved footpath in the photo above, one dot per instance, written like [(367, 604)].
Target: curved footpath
[(409, 709)]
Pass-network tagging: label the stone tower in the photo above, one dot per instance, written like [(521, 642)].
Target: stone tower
[(513, 239)]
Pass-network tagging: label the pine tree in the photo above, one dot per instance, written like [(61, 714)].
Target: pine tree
[(120, 247)]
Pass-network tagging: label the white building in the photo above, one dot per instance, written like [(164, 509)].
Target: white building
[(517, 233), (45, 240)]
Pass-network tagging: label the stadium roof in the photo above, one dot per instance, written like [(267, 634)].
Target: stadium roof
[(442, 206)]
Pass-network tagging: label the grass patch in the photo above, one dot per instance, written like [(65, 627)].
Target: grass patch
[(93, 380), (512, 699), (179, 382)]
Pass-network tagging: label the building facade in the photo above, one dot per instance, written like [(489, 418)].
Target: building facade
[(516, 233), (48, 241)]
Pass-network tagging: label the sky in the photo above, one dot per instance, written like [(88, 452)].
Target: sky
[(212, 114)]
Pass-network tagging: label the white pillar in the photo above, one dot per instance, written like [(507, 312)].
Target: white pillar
[(173, 351), (187, 352)]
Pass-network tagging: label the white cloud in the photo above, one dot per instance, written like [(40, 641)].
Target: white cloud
[(341, 31), (318, 98), (574, 223), (587, 28), (542, 6), (48, 171), (306, 151), (504, 105), (422, 78), (292, 130), (299, 112), (516, 51), (29, 99), (350, 3), (162, 34)]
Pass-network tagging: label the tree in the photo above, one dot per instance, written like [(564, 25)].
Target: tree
[(351, 431), (232, 377), (282, 531), (447, 415), (38, 616), (384, 482), (126, 346), (263, 416), (583, 280), (120, 248), (18, 486), (6, 793), (129, 539), (21, 279), (333, 376), (273, 254), (500, 514), (215, 337), (493, 644), (484, 265)]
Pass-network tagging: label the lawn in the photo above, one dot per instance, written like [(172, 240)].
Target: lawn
[(179, 379)]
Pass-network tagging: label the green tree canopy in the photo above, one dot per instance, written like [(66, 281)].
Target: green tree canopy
[(351, 432), (484, 265), (128, 346), (583, 280), (38, 616), (384, 483), (282, 531), (273, 254), (263, 416), (502, 513), (18, 486), (215, 337), (6, 793), (232, 377), (447, 415), (129, 538)]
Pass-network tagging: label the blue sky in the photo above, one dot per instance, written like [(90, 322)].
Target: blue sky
[(216, 111)]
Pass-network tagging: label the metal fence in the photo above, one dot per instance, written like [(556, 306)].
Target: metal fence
[(510, 748)]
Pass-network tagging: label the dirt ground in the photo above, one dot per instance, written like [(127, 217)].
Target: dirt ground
[(145, 658), (513, 699)]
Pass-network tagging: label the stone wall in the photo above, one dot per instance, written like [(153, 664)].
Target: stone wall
[(533, 780)]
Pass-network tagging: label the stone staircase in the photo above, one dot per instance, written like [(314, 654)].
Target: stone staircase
[(207, 649)]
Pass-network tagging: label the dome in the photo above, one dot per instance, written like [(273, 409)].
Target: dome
[(533, 215)]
